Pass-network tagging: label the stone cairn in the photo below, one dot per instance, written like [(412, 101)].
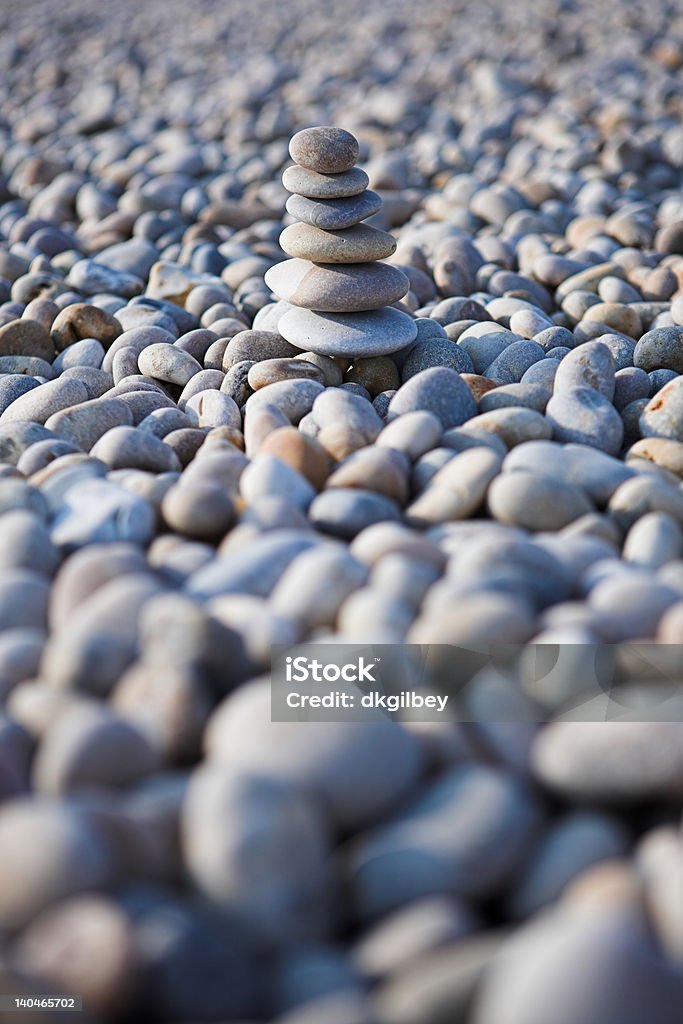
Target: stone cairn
[(339, 293)]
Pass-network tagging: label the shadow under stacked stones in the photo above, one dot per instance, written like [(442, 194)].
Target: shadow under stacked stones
[(340, 294)]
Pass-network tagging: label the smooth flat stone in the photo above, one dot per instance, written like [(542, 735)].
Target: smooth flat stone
[(337, 288), (375, 333), (325, 186), (358, 244), (334, 214), (325, 149)]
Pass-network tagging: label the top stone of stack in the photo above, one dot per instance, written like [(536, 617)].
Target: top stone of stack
[(326, 150), (341, 298)]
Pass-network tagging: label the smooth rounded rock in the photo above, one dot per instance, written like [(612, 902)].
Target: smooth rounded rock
[(327, 150), (585, 416), (373, 333), (314, 185), (334, 214), (357, 244), (438, 390), (337, 288)]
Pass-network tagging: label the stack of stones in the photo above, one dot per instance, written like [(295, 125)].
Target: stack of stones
[(341, 296)]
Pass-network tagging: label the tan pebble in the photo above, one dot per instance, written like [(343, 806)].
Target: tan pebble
[(477, 384), (661, 450), (269, 371), (300, 452), (382, 470)]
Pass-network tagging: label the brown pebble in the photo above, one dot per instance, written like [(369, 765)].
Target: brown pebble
[(376, 374), (300, 452), (477, 384), (82, 320)]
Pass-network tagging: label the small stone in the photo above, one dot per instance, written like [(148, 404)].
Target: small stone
[(302, 453), (438, 390), (483, 349), (128, 448), (84, 424), (377, 469), (617, 315), (478, 385), (294, 398), (12, 386), (337, 288), (603, 761), (256, 345), (205, 380), (457, 490), (513, 362), (630, 384), (316, 584), (267, 475), (84, 944), (661, 348), (527, 982), (576, 842), (536, 503), (26, 338), (327, 150), (26, 364), (589, 366), (525, 396), (376, 373), (435, 352), (314, 185), (68, 856), (214, 409), (40, 403), (89, 277), (334, 214), (358, 244), (256, 846), (25, 543), (201, 510), (663, 415), (660, 450), (641, 494), (174, 282), (88, 352), (186, 442), (653, 541), (81, 320), (512, 425), (268, 371), (168, 363), (413, 433), (464, 857), (585, 416), (88, 747), (100, 511), (344, 512)]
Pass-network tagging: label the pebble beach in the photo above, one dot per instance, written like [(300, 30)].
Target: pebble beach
[(351, 324)]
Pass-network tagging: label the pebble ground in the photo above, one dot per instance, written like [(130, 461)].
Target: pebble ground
[(181, 487)]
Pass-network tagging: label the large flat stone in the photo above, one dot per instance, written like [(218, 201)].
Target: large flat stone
[(325, 186), (358, 244), (374, 333), (337, 288), (334, 214)]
